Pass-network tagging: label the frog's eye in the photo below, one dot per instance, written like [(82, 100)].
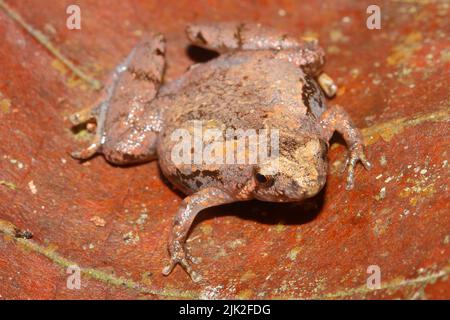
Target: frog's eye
[(264, 180)]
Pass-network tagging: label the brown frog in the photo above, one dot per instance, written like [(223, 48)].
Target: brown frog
[(263, 80)]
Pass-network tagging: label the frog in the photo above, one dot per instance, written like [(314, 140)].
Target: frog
[(261, 79)]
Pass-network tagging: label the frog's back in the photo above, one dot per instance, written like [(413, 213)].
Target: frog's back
[(239, 91), (244, 90)]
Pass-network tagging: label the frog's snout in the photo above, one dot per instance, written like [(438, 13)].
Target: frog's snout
[(306, 172), (306, 184)]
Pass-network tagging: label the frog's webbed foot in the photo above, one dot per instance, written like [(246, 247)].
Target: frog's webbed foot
[(336, 119), (187, 212)]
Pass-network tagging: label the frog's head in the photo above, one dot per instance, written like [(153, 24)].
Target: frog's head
[(299, 172)]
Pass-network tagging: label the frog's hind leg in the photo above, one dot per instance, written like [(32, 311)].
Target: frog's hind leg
[(228, 36), (303, 52), (126, 125)]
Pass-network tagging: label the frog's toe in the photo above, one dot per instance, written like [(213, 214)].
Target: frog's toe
[(86, 153), (90, 117), (87, 115), (190, 257), (366, 163), (194, 260), (356, 154), (196, 277), (327, 84), (169, 268), (179, 256), (350, 174)]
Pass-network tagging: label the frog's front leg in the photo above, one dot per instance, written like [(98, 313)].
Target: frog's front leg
[(126, 122), (336, 119), (228, 36), (186, 214)]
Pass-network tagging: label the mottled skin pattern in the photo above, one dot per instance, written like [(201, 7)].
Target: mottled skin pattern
[(264, 79)]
